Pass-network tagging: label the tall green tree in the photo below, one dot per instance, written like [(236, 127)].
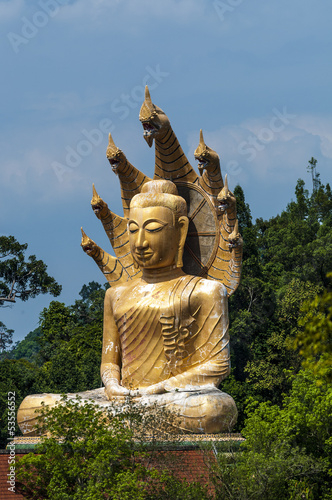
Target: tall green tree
[(6, 336), (28, 348), (71, 342), (285, 262), (314, 339), (20, 277)]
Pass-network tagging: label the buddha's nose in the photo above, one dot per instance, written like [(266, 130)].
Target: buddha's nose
[(141, 241)]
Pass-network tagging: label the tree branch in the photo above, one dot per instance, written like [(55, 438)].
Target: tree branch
[(8, 299)]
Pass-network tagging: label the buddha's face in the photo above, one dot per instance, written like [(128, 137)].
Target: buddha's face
[(154, 237)]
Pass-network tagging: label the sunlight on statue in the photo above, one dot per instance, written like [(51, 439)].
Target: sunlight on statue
[(166, 333), (178, 258)]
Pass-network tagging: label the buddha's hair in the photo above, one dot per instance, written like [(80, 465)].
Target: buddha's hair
[(160, 193)]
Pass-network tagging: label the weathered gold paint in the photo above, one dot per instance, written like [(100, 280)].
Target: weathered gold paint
[(165, 337), (209, 168), (109, 265), (170, 161), (131, 179)]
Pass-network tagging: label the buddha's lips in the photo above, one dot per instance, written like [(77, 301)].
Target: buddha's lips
[(144, 255)]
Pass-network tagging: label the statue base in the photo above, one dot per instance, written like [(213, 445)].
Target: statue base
[(203, 410)]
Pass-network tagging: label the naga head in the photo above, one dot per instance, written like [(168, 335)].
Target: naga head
[(153, 119), (226, 199), (235, 239), (115, 156), (88, 245), (98, 205), (206, 157)]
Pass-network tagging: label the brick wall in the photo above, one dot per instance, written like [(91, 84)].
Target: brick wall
[(189, 463), (6, 494)]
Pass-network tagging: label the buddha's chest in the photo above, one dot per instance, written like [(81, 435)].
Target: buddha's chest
[(152, 318), (139, 302)]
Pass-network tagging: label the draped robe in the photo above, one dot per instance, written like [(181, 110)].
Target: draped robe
[(161, 332), (174, 332)]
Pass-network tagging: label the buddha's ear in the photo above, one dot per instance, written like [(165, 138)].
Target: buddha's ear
[(183, 224)]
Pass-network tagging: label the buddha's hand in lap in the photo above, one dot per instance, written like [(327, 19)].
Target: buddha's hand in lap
[(114, 389), (148, 391)]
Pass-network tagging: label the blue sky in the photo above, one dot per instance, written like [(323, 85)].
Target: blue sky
[(255, 76)]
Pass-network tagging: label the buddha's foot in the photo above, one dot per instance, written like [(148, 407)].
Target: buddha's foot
[(203, 411)]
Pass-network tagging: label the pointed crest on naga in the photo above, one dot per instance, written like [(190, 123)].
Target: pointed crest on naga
[(213, 247)]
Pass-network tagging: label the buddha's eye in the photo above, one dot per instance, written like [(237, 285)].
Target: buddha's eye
[(133, 228), (154, 227)]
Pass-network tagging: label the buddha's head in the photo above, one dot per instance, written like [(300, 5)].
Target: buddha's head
[(158, 226)]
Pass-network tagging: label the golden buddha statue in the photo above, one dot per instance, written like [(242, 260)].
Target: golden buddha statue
[(165, 339)]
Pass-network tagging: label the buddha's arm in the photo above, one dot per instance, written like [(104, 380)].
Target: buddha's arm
[(111, 359), (212, 343)]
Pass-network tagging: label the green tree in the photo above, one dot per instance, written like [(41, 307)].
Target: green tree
[(6, 338), (314, 174), (28, 348), (62, 355), (285, 261), (71, 342), (20, 278), (294, 254), (19, 377), (95, 454), (314, 338), (268, 374), (287, 452)]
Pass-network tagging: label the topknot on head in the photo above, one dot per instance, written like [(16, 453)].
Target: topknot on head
[(160, 193), (160, 186)]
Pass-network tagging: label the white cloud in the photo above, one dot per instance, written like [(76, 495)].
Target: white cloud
[(252, 150), (319, 126), (27, 174)]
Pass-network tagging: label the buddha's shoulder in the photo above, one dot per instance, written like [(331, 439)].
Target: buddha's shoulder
[(117, 291), (209, 289)]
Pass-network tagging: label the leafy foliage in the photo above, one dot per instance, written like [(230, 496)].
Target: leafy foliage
[(20, 377), (28, 348), (6, 336), (92, 454), (287, 452), (314, 340), (20, 278), (286, 261), (71, 342)]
